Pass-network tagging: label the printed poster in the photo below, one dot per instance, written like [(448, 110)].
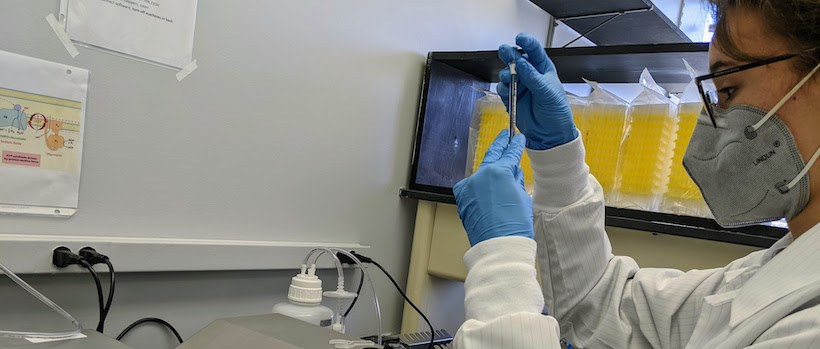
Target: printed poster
[(42, 117)]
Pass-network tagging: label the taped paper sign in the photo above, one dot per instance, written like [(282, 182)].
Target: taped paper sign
[(159, 31)]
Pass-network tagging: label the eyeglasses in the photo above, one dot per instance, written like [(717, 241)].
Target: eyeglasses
[(714, 97)]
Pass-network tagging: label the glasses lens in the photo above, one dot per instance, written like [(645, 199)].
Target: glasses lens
[(710, 96), (714, 96), (710, 92)]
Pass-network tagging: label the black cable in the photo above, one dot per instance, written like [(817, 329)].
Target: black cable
[(93, 258), (112, 283), (358, 292), (150, 319), (398, 288), (101, 305)]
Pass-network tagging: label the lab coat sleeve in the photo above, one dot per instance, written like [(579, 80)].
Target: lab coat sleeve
[(568, 205), (600, 300), (503, 300)]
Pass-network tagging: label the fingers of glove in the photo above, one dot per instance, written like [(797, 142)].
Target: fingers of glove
[(511, 155), (503, 87), (535, 52), (496, 149), (508, 53), (504, 75), (519, 176), (503, 91), (533, 80)]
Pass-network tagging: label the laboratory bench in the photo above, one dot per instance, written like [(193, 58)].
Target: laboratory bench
[(93, 340)]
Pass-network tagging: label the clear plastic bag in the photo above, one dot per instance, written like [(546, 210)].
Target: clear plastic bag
[(489, 118), (603, 122), (579, 105), (682, 195), (646, 151)]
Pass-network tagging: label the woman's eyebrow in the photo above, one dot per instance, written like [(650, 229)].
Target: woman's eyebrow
[(720, 65)]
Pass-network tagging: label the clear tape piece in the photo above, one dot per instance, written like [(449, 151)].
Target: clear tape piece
[(59, 30), (187, 70), (45, 335)]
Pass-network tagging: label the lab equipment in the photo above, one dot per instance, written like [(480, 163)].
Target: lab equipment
[(263, 332), (513, 99), (489, 118), (605, 120), (542, 112), (305, 300), (421, 340), (340, 293), (646, 149), (682, 196), (492, 202), (26, 334), (305, 294)]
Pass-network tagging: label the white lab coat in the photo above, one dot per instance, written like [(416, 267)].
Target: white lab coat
[(768, 299)]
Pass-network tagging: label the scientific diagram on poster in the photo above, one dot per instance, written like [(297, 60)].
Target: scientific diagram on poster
[(42, 115), (39, 131)]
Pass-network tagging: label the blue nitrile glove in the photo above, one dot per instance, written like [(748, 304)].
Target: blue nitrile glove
[(492, 202), (543, 115)]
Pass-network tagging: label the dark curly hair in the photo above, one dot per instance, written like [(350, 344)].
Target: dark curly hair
[(798, 21)]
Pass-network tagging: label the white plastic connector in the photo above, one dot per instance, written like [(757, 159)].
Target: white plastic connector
[(339, 325), (340, 294), (306, 287)]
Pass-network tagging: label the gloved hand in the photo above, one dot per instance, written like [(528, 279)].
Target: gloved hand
[(543, 115), (492, 202)]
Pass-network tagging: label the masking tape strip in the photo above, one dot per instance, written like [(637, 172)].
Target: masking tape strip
[(62, 35), (186, 70)]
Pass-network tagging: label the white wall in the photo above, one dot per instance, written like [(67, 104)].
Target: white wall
[(317, 97)]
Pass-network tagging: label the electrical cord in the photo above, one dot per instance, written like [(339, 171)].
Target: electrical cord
[(365, 259), (97, 283), (111, 285), (93, 257), (146, 320), (358, 291)]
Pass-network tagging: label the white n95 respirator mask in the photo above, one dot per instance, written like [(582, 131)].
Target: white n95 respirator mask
[(748, 167)]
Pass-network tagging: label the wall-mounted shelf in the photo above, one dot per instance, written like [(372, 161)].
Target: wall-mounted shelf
[(640, 23), (608, 64), (452, 84)]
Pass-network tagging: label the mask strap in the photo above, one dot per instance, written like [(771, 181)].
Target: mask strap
[(785, 188), (783, 101)]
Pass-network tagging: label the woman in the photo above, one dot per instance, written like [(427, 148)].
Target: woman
[(753, 154)]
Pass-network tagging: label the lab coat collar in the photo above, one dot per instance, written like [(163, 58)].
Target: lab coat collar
[(789, 265)]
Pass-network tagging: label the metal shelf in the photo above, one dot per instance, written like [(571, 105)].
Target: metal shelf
[(640, 23), (661, 223), (607, 64)]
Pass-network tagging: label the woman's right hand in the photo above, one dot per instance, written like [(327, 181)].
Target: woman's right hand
[(544, 115)]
